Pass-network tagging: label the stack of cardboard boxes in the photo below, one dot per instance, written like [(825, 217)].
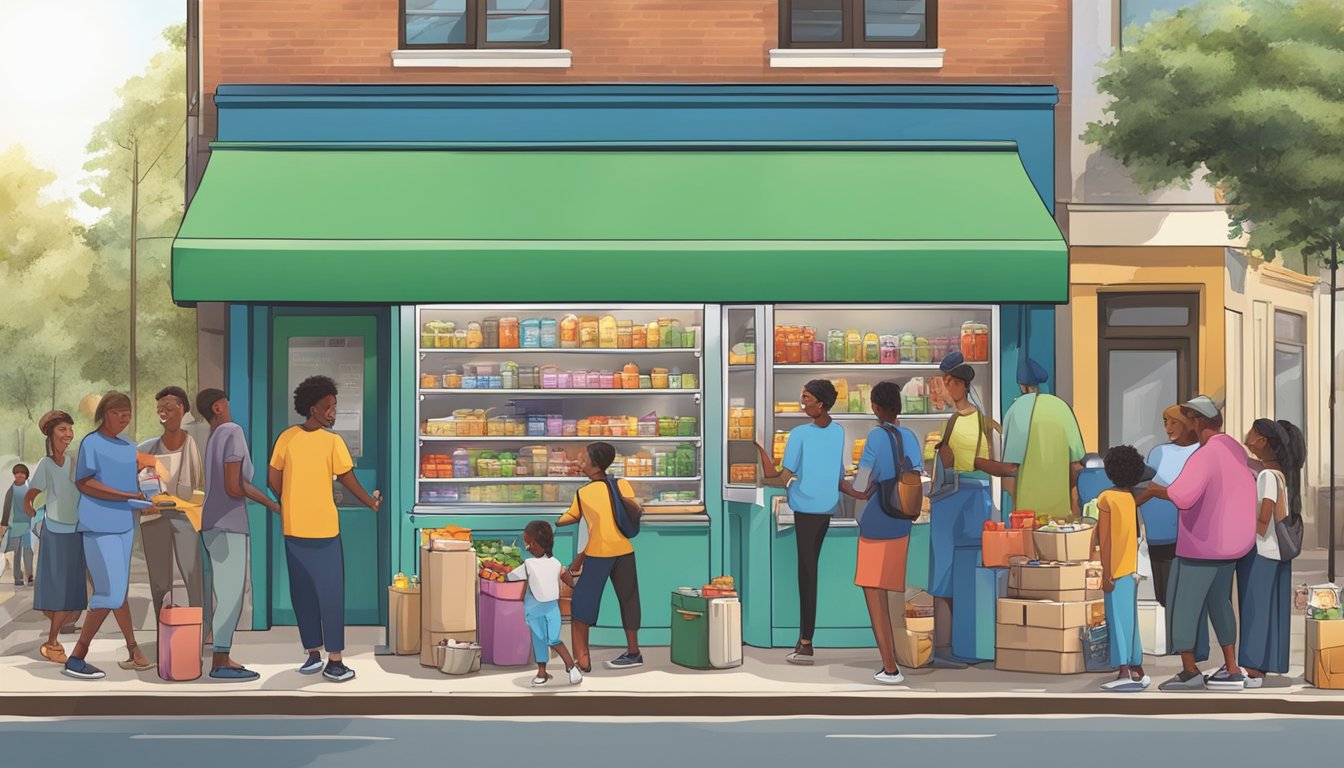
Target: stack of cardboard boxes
[(1051, 601)]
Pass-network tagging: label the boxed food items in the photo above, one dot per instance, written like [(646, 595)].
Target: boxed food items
[(999, 544), (1023, 518), (1324, 665), (1019, 638), (1039, 662), (1323, 602), (1064, 543), (742, 474), (1046, 614), (719, 586), (447, 600), (1058, 582)]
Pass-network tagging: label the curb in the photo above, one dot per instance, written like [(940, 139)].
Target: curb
[(700, 706)]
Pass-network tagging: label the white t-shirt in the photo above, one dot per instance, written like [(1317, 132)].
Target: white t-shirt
[(542, 575), (1267, 485)]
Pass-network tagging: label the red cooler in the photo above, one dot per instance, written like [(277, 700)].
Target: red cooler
[(505, 639)]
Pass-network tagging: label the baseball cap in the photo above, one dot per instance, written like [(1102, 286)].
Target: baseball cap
[(1204, 406)]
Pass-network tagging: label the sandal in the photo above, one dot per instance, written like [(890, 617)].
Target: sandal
[(130, 663), (586, 669), (53, 652)]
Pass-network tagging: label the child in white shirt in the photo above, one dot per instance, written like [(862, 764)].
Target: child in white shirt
[(541, 601)]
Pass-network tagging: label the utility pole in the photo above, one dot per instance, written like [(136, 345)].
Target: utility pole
[(135, 214), (1331, 543), (53, 383)]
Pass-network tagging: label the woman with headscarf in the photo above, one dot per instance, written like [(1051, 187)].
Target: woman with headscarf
[(1264, 576), (814, 464), (106, 474), (957, 519), (60, 589), (1042, 448)]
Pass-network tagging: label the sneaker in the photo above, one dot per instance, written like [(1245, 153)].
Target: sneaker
[(1222, 681), (1181, 682), (234, 674), (539, 681), (575, 676), (802, 655), (1126, 685), (1255, 682), (626, 661), (337, 672), (81, 669), (313, 665), (888, 678)]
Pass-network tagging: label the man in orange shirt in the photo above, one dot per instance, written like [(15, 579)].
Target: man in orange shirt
[(305, 459)]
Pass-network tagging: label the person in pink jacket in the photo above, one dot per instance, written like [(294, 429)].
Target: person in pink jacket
[(1215, 498)]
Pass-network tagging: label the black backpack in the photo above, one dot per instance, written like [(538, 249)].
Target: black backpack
[(902, 496)]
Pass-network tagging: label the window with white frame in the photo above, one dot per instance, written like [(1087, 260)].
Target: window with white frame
[(465, 24), (1290, 357)]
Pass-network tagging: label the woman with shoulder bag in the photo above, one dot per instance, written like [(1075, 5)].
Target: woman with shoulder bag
[(960, 499), (1265, 574)]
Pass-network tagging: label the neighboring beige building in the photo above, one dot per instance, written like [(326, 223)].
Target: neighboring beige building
[(1165, 305)]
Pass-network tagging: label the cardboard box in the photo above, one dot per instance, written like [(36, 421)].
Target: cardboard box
[(1048, 577), (1067, 640), (1051, 615), (1064, 547), (403, 620), (1039, 662), (999, 547), (1324, 666), (447, 599)]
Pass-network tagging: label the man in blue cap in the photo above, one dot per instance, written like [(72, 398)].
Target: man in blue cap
[(1042, 447)]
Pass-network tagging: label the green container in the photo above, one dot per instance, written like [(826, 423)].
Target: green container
[(690, 631)]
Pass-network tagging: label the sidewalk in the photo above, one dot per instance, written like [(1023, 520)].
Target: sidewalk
[(839, 684)]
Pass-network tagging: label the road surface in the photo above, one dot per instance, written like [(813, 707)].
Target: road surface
[(1095, 742)]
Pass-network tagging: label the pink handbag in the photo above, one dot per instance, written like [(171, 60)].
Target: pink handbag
[(179, 643)]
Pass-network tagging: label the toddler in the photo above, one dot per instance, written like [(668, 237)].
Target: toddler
[(541, 601)]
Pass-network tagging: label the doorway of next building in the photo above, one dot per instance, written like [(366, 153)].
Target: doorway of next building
[(1148, 347)]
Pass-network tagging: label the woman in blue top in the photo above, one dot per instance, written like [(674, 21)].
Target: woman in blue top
[(884, 540), (813, 473), (106, 475)]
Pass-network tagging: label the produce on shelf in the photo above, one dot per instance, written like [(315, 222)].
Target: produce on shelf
[(569, 332), (542, 462), (511, 375), (795, 345), (468, 422)]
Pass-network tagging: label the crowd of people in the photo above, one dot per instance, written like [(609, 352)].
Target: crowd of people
[(92, 503)]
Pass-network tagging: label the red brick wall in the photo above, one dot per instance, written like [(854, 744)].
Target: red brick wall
[(688, 41)]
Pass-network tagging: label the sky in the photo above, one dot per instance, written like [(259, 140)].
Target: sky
[(61, 62)]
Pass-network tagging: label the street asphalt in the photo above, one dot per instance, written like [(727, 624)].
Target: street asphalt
[(292, 742)]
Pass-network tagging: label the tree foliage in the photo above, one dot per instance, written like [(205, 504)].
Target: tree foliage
[(1252, 91)]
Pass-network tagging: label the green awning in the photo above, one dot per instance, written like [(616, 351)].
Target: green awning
[(856, 223)]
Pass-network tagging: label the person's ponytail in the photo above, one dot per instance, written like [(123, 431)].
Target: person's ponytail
[(1292, 456)]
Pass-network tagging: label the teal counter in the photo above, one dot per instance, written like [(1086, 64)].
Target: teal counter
[(762, 557)]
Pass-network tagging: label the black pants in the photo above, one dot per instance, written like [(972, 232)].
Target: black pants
[(624, 578), (810, 532), (1161, 556)]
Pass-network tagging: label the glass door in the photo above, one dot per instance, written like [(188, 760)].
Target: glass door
[(743, 389)]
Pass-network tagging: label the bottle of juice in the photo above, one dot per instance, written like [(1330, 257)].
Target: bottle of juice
[(807, 338), (588, 332), (474, 336), (569, 332), (841, 395), (872, 349), (781, 345), (607, 335), (510, 333), (853, 346), (968, 340), (835, 346)]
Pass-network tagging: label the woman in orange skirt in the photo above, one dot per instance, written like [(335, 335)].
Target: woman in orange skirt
[(883, 539)]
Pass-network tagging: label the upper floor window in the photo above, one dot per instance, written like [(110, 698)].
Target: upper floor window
[(858, 23), (480, 23)]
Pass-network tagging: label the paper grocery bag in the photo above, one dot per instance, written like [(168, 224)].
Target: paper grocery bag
[(913, 649)]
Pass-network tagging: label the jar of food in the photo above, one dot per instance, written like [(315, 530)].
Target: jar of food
[(670, 333), (490, 333), (835, 346), (564, 380), (667, 426), (653, 336), (689, 381), (908, 348), (625, 337), (872, 349), (890, 351), (639, 336), (630, 376), (853, 346), (531, 334), (461, 463), (686, 426), (660, 378), (968, 340), (588, 332), (648, 425), (452, 381), (428, 381), (510, 333), (981, 342), (550, 377), (584, 428), (781, 345), (549, 333), (474, 336), (923, 352), (569, 332), (607, 333), (793, 346), (645, 381), (674, 380), (571, 428)]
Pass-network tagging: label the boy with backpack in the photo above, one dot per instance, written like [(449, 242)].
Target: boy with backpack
[(609, 509)]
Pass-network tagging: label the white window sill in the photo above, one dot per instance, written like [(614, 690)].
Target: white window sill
[(484, 58), (856, 58)]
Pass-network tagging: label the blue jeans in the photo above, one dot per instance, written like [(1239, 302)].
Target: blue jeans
[(543, 619), (1122, 616), (317, 590)]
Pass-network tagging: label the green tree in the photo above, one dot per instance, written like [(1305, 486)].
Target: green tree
[(1251, 92), (137, 165), (45, 268)]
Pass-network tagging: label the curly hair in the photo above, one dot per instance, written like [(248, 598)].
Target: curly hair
[(311, 392), (1124, 466), (601, 454), (541, 533), (887, 394)]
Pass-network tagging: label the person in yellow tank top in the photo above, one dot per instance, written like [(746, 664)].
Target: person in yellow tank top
[(957, 520), (1119, 530)]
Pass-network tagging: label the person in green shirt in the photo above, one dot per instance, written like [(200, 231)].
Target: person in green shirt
[(1042, 447)]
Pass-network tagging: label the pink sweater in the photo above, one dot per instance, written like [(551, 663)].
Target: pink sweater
[(1215, 494)]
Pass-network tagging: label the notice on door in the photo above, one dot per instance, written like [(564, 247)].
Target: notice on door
[(342, 359)]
